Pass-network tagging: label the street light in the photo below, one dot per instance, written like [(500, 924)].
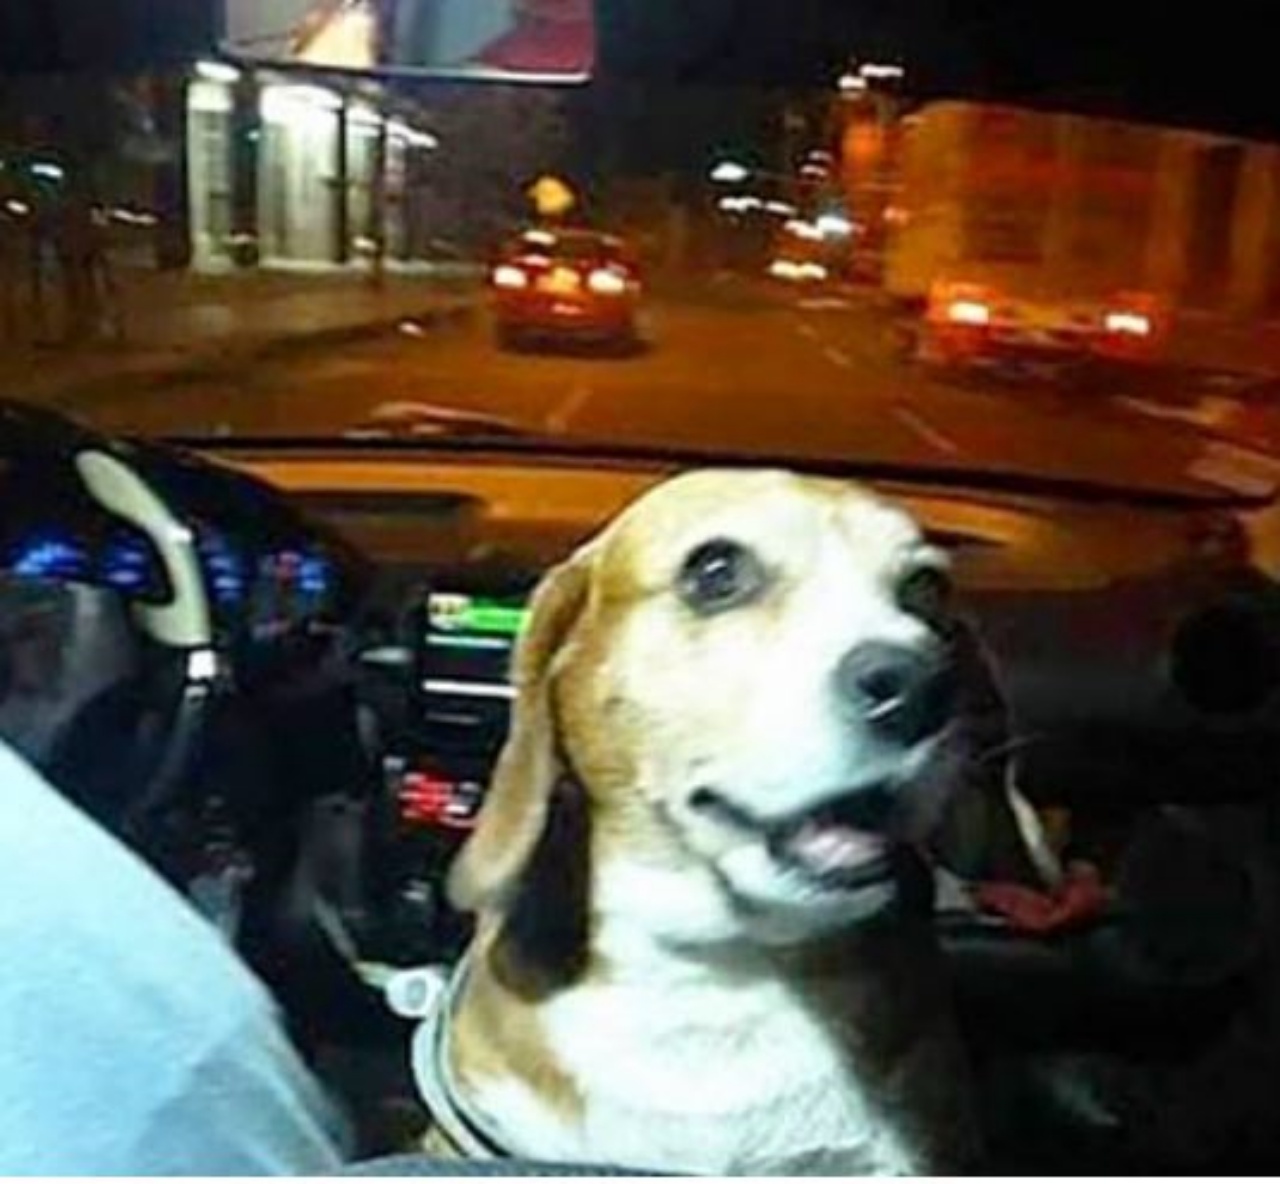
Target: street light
[(852, 84), (730, 173)]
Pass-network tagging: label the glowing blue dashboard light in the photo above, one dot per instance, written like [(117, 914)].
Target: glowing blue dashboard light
[(50, 558), (127, 565), (313, 575), (224, 569)]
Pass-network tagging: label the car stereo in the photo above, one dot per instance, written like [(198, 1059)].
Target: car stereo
[(464, 649), (463, 695)]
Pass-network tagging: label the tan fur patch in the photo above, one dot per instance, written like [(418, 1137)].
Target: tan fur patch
[(497, 1036)]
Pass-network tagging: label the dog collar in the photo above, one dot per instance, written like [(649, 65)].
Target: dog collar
[(429, 995)]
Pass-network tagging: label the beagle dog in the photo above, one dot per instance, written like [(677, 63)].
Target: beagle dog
[(703, 943)]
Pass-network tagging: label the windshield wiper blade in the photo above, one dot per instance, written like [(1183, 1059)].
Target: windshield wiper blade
[(417, 421)]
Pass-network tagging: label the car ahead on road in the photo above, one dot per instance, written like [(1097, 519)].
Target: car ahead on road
[(566, 286)]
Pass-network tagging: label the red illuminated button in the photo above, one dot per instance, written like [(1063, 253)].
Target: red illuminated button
[(430, 799)]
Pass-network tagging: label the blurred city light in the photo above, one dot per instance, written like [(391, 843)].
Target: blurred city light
[(46, 170), (882, 72), (730, 173), (128, 217), (781, 209), (834, 226), (852, 84)]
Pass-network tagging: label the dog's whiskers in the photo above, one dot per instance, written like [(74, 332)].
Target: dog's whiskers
[(1002, 751)]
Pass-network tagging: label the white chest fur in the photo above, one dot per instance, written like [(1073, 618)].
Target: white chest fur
[(683, 1072)]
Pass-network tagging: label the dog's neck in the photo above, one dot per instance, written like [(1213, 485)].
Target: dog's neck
[(679, 1054)]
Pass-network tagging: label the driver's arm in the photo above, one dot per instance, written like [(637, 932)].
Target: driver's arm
[(134, 1041), (248, 1108)]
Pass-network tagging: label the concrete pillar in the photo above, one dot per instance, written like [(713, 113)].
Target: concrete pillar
[(246, 137), (342, 185)]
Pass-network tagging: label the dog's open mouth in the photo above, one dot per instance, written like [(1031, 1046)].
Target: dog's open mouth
[(831, 853), (841, 845)]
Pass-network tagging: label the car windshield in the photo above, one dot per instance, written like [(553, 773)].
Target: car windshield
[(925, 239)]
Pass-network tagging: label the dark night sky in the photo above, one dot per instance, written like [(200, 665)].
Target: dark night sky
[(1211, 64), (1199, 64)]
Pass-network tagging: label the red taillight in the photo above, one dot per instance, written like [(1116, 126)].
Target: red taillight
[(968, 312), (510, 278), (608, 281), (1135, 316), (1128, 324), (967, 305)]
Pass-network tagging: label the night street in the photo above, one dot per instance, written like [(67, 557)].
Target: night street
[(733, 367)]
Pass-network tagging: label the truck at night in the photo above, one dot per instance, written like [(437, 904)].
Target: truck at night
[(1026, 234)]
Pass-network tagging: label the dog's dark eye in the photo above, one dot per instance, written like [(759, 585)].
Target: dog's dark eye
[(926, 593), (720, 575)]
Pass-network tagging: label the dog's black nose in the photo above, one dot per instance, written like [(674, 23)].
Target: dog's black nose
[(904, 695)]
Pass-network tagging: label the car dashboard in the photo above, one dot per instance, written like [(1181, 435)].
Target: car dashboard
[(1138, 651), (1102, 618)]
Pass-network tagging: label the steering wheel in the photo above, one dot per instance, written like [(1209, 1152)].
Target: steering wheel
[(183, 626), (119, 700)]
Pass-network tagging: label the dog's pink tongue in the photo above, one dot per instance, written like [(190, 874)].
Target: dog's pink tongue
[(828, 849)]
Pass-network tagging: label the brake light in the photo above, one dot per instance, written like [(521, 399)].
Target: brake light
[(968, 312), (1128, 324), (791, 269), (513, 279), (605, 281), (960, 303)]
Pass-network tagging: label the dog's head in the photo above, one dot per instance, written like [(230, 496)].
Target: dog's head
[(748, 680)]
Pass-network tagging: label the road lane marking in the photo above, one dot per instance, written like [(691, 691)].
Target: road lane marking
[(1205, 413), (563, 416), (926, 431), (838, 357)]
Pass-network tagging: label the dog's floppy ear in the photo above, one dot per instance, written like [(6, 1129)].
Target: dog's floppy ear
[(516, 808), (989, 831)]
